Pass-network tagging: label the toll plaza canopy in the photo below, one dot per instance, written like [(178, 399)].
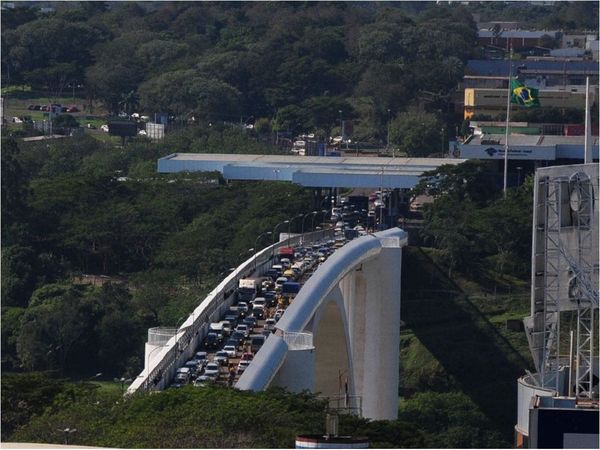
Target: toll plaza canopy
[(310, 171)]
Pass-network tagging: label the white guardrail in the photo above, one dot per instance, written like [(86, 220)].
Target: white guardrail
[(181, 346)]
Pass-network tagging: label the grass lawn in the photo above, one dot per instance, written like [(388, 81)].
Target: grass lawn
[(108, 386), (453, 339)]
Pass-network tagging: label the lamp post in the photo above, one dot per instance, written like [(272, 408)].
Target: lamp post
[(304, 220), (245, 252), (149, 359), (381, 199), (266, 233), (67, 431), (275, 234), (388, 131), (290, 227), (317, 213), (123, 382)]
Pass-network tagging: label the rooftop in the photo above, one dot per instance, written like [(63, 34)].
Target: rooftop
[(491, 67), (520, 139)]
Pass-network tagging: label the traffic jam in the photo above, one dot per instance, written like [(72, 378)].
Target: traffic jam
[(231, 343)]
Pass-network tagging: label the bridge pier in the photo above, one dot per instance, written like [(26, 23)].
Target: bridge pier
[(376, 336), (351, 307)]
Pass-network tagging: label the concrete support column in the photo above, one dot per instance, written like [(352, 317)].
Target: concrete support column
[(354, 290), (297, 373), (381, 335)]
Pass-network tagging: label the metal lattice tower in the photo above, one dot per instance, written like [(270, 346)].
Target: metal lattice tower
[(581, 203), (552, 269)]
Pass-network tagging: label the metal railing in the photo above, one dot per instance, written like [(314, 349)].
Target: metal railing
[(298, 340)]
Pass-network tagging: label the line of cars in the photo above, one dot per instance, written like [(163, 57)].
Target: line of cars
[(230, 344), (54, 107)]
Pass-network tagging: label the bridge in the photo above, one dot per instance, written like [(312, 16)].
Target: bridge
[(342, 329), (309, 171)]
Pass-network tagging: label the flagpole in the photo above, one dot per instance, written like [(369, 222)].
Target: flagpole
[(508, 92), (587, 148)]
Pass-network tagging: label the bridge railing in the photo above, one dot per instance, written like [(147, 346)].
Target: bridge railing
[(180, 347)]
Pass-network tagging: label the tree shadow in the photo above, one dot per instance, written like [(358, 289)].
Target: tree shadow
[(481, 361)]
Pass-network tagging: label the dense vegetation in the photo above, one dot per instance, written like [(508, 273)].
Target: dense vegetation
[(84, 206)]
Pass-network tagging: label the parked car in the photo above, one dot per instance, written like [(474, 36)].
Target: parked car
[(243, 328), (201, 358), (212, 370), (243, 308), (247, 356), (242, 366), (259, 301), (192, 364), (236, 338), (278, 314), (231, 350), (221, 357), (270, 324), (250, 321), (211, 341), (104, 128), (258, 312)]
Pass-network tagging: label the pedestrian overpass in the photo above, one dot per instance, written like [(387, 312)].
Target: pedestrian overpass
[(340, 337)]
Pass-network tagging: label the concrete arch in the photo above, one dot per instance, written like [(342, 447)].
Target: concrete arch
[(351, 305)]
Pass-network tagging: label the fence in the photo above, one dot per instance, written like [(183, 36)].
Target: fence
[(298, 341), (182, 345)]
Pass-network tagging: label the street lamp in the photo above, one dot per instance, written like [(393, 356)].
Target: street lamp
[(290, 227), (275, 234), (304, 220), (67, 431), (388, 131), (123, 382), (149, 359), (266, 233), (317, 213), (245, 252)]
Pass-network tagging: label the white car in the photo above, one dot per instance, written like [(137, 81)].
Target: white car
[(212, 370), (104, 128), (242, 366), (231, 350), (260, 302), (270, 324)]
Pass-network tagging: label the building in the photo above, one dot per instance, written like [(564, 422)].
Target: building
[(539, 149), (492, 102), (556, 72), (514, 38)]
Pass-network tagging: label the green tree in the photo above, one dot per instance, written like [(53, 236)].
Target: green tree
[(186, 93), (51, 330), (416, 134)]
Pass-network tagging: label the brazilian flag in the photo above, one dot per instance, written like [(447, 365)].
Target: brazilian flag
[(523, 95)]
